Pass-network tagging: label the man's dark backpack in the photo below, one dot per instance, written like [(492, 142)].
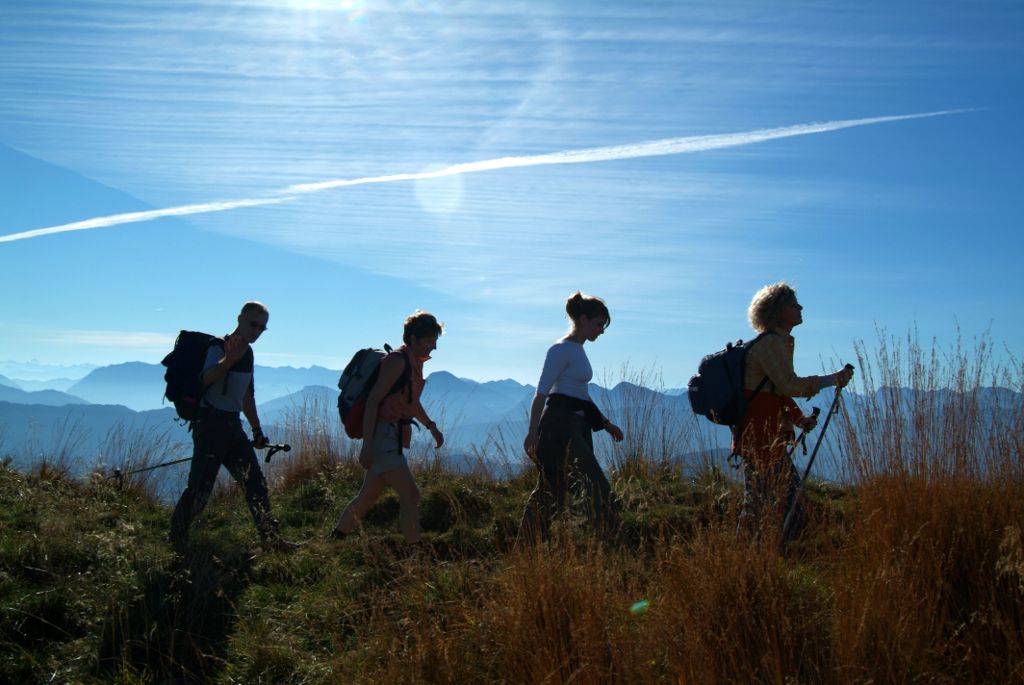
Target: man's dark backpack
[(716, 392), (358, 379), (184, 371)]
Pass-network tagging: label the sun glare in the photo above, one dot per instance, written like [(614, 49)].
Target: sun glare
[(441, 195), (354, 9)]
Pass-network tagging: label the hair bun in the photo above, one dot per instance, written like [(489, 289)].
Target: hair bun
[(579, 304)]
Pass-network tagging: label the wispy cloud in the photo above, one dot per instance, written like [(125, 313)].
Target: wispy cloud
[(125, 339), (655, 148)]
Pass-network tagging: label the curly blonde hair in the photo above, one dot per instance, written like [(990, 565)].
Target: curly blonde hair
[(767, 304)]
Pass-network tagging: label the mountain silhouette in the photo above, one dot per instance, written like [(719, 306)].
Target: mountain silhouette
[(140, 385), (483, 418), (51, 398), (136, 385)]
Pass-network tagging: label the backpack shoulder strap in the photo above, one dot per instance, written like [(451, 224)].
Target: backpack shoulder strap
[(405, 378), (760, 386), (753, 342), (222, 343), (407, 374)]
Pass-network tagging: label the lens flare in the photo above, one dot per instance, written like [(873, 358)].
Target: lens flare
[(639, 607), (355, 9)]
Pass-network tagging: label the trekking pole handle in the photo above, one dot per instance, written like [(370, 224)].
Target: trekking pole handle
[(274, 449)]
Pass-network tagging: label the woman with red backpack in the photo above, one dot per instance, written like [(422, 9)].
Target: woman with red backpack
[(391, 406)]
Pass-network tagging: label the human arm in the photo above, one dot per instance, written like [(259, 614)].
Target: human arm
[(428, 423), (797, 417), (390, 370), (536, 409), (555, 362), (259, 441), (772, 358), (234, 348), (842, 378), (613, 430)]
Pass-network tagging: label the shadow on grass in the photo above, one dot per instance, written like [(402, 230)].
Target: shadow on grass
[(177, 628)]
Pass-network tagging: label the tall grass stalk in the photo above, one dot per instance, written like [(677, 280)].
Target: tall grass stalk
[(926, 583), (911, 571)]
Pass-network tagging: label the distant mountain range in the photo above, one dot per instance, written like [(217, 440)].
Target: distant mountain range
[(115, 412), (474, 416), (140, 386), (53, 398), (35, 371)]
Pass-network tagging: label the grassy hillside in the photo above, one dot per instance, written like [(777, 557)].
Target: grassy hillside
[(912, 573)]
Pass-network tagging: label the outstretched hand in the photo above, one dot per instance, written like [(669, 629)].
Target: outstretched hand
[(614, 431), (808, 423), (438, 435), (530, 447), (843, 376), (235, 347)]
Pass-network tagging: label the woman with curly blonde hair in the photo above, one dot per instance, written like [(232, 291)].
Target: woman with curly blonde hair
[(766, 431)]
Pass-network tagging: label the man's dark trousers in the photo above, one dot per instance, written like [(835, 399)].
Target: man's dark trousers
[(219, 440)]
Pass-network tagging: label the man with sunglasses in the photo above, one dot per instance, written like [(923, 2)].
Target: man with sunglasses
[(218, 437)]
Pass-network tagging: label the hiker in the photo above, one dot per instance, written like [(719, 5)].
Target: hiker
[(562, 418), (217, 434), (765, 434), (392, 406)]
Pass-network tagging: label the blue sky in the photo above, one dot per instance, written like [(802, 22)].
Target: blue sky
[(113, 107)]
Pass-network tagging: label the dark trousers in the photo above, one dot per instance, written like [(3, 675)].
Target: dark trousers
[(768, 495), (219, 440), (566, 444)]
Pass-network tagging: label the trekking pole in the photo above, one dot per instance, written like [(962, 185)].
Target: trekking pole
[(120, 475), (802, 440), (791, 514)]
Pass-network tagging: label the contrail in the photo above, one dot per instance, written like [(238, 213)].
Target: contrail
[(654, 148), (135, 217)]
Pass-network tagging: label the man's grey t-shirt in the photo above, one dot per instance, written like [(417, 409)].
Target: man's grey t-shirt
[(229, 396)]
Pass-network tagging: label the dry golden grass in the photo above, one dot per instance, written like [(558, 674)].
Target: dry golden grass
[(911, 570)]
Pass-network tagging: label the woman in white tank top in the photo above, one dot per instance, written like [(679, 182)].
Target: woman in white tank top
[(562, 418)]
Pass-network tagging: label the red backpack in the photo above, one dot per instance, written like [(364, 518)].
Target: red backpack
[(358, 379)]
